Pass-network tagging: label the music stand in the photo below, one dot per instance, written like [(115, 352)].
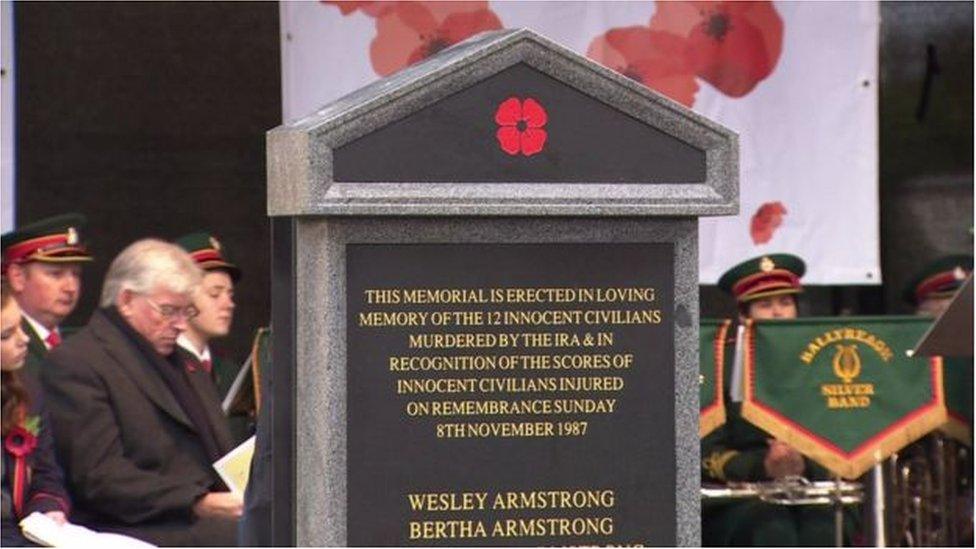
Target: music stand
[(952, 333)]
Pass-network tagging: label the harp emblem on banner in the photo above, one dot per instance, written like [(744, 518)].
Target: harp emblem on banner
[(847, 362)]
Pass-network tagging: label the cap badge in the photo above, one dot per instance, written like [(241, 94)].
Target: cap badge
[(214, 243), (959, 273), (766, 264), (72, 236)]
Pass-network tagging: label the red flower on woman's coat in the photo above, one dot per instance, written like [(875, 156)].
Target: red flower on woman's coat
[(411, 31), (731, 45), (521, 125), (20, 441), (653, 58), (765, 221)]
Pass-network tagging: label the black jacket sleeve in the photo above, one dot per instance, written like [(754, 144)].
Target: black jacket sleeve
[(46, 491)]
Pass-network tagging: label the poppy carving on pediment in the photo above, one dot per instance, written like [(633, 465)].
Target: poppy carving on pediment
[(520, 126)]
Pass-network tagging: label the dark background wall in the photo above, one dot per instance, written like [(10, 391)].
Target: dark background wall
[(149, 118), (926, 137)]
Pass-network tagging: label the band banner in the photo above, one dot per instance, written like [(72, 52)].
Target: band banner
[(713, 335), (958, 383), (842, 391)]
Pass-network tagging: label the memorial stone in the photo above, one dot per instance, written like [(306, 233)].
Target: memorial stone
[(486, 305)]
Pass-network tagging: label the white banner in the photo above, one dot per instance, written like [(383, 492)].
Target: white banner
[(797, 80), (7, 120)]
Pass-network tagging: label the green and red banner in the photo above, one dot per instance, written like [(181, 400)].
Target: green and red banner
[(958, 383), (713, 335), (842, 390)]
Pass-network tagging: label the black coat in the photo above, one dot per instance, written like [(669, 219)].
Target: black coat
[(134, 461), (45, 491), (36, 350)]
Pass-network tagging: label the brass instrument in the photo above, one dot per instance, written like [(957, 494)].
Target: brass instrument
[(927, 483), (789, 491), (794, 491)]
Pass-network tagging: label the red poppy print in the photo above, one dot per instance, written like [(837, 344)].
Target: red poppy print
[(372, 9), (520, 126), (765, 221), (411, 31), (653, 58), (731, 45)]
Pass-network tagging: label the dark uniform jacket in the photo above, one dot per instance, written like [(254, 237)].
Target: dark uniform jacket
[(222, 373), (736, 452), (36, 350), (137, 450), (45, 490)]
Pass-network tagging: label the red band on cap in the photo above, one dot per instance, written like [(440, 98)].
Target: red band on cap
[(207, 254), (23, 251), (765, 281), (939, 282)]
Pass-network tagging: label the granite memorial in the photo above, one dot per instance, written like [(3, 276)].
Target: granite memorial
[(486, 305)]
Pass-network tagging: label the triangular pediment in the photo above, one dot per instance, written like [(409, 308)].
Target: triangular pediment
[(502, 118)]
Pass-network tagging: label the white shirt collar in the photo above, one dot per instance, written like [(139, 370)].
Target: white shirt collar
[(188, 346), (38, 328)]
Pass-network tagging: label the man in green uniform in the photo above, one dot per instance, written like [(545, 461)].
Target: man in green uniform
[(765, 288), (42, 261), (214, 300), (931, 289)]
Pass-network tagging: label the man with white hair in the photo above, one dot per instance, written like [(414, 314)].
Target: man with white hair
[(135, 431)]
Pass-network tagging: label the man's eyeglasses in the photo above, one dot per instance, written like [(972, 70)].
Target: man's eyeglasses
[(170, 312)]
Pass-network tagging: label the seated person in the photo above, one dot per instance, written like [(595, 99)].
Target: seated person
[(931, 289), (214, 299), (42, 262), (32, 480), (764, 288), (136, 432)]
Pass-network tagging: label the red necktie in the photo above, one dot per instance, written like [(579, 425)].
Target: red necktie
[(53, 340), (192, 364)]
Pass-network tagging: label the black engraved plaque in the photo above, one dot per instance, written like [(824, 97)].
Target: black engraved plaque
[(510, 395)]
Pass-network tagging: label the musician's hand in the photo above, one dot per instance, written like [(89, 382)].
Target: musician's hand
[(782, 460)]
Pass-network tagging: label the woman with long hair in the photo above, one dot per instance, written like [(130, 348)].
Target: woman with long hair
[(32, 480)]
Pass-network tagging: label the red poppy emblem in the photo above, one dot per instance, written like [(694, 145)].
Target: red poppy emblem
[(765, 221), (653, 58), (731, 45), (20, 442), (521, 126)]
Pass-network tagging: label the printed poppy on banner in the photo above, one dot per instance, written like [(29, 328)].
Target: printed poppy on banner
[(653, 58), (521, 126), (412, 31), (372, 9), (731, 45), (765, 221)]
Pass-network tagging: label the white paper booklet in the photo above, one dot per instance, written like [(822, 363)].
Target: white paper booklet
[(235, 467), (41, 529)]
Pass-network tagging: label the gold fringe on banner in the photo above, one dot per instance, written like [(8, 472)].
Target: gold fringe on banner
[(958, 429), (903, 432), (713, 416)]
